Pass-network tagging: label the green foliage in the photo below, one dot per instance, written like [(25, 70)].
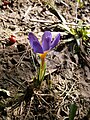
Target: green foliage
[(42, 72), (80, 3), (37, 81), (81, 31), (72, 112)]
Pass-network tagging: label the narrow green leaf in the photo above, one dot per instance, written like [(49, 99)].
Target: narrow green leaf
[(42, 72), (73, 109)]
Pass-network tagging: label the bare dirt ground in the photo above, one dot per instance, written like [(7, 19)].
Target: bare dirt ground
[(67, 77)]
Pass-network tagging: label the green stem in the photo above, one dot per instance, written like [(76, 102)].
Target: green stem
[(42, 69)]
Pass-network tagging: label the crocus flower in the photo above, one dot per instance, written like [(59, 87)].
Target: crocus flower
[(46, 44), (43, 47)]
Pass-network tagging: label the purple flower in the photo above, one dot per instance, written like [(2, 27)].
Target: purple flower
[(46, 43)]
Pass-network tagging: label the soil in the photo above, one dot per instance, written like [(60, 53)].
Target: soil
[(67, 78)]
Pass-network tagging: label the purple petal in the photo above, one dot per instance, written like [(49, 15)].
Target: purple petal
[(46, 35), (55, 41), (46, 44), (46, 40), (37, 48), (32, 38)]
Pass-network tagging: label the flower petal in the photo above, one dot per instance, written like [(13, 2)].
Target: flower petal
[(37, 48), (32, 38), (46, 44), (55, 41), (46, 40), (46, 35)]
